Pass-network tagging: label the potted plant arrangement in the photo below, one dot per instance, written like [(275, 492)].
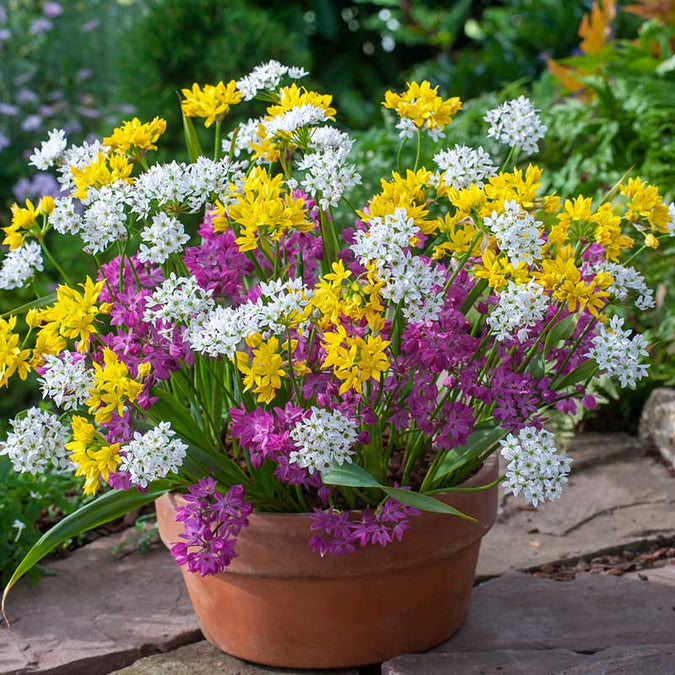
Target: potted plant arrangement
[(316, 393)]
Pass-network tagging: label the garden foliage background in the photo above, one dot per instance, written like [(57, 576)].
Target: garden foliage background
[(605, 91)]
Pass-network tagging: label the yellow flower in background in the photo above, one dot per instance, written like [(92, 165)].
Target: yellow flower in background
[(265, 371), (421, 104), (294, 97), (94, 460), (210, 101), (135, 137), (102, 170), (264, 209), (608, 232), (112, 387), (73, 314), (24, 218)]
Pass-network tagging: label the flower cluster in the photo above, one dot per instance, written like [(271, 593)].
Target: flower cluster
[(212, 522), (248, 327)]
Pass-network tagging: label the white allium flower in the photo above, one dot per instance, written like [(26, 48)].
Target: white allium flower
[(406, 127), (327, 176), (266, 76), (516, 123), (206, 177), (618, 354), (322, 138), (627, 280), (246, 137), (160, 185), (323, 439), (152, 455), (294, 119), (519, 308), (37, 442), (218, 332), (104, 220), (50, 151), (164, 236), (64, 219), (463, 166), (77, 156), (385, 239), (517, 233), (66, 380), (177, 300), (20, 264), (535, 467)]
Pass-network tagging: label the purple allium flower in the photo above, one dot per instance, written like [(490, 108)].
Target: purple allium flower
[(212, 522)]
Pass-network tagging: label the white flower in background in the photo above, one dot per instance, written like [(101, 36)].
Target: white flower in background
[(517, 233), (516, 123), (326, 137), (66, 380), (671, 223), (519, 308), (164, 236), (160, 185), (104, 220), (177, 300), (246, 137), (627, 280), (64, 219), (152, 455), (50, 151), (535, 468), (324, 438), (267, 76), (20, 264), (327, 176), (463, 166), (37, 442), (77, 156), (618, 354)]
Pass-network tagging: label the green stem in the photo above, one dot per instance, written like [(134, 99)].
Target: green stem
[(216, 144), (418, 154), (51, 258)]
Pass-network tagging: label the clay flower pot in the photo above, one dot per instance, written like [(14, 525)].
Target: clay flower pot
[(282, 604)]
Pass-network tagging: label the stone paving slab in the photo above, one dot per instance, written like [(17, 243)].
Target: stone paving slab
[(646, 660), (203, 659), (97, 614), (618, 496)]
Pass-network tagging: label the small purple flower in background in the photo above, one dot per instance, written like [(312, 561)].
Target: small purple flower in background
[(42, 184), (212, 521), (341, 535), (4, 141), (90, 26), (52, 9), (26, 96), (32, 123), (5, 34), (3, 14), (40, 25), (84, 74), (8, 110)]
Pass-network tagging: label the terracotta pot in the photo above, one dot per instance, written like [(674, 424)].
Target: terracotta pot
[(281, 604)]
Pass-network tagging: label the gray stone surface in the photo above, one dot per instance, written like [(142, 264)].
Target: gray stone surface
[(203, 659), (657, 423), (519, 611), (618, 496), (641, 660), (97, 614), (659, 575)]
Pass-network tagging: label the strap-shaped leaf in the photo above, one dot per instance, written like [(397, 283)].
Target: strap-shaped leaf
[(107, 507), (585, 371), (33, 304), (194, 147), (352, 475), (561, 331)]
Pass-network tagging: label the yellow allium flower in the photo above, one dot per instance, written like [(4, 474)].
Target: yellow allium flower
[(608, 232), (294, 97), (73, 314), (421, 104), (24, 219), (13, 359), (210, 101), (645, 204), (102, 170), (265, 372), (134, 137), (518, 186), (112, 388)]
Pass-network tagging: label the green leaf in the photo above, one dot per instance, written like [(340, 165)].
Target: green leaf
[(352, 475), (586, 370), (424, 502), (563, 330), (479, 441), (94, 514), (194, 147), (33, 304)]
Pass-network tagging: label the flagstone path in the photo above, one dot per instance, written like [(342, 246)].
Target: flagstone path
[(100, 614)]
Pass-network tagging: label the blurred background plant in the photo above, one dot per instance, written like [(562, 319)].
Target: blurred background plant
[(602, 74)]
